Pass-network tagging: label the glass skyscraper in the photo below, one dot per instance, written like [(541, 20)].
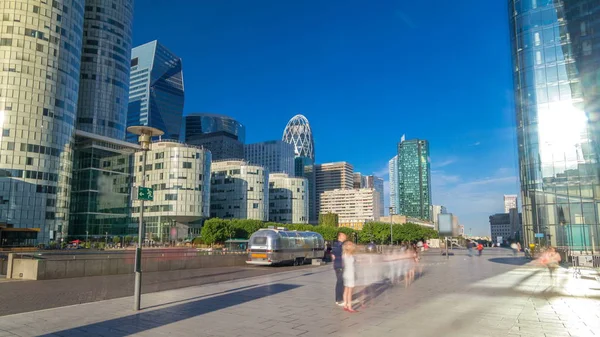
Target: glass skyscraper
[(39, 86), (556, 67), (394, 176), (105, 59), (414, 179), (222, 135), (155, 90)]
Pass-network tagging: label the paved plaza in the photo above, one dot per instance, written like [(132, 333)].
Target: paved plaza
[(492, 295)]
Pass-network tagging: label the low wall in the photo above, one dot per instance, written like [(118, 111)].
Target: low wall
[(3, 266), (40, 269)]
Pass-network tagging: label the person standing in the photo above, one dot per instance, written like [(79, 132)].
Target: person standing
[(513, 246), (470, 248), (479, 248), (338, 267), (349, 274)]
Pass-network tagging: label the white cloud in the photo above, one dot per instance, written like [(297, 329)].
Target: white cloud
[(444, 163)]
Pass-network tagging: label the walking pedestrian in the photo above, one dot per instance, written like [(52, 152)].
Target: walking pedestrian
[(513, 246), (480, 248), (349, 274), (338, 267), (470, 248), (551, 259)]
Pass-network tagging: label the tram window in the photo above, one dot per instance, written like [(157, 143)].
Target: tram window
[(259, 240)]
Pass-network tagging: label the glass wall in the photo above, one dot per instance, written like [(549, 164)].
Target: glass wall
[(288, 199), (414, 179), (556, 59)]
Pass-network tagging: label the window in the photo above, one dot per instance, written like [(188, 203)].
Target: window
[(255, 205), (29, 161), (171, 196), (5, 132), (187, 165), (158, 166), (159, 155)]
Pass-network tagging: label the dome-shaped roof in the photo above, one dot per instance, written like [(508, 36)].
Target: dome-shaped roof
[(298, 133)]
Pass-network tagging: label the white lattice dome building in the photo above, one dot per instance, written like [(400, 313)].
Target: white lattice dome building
[(298, 132)]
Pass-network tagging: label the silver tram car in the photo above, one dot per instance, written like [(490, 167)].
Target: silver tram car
[(271, 246)]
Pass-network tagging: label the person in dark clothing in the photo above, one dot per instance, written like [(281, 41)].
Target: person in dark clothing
[(338, 266)]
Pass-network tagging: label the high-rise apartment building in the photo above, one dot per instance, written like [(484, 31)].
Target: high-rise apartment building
[(510, 202), (332, 176), (102, 160), (276, 155), (436, 210), (288, 199), (156, 90), (222, 135), (179, 174), (394, 180), (354, 207), (40, 53), (239, 191), (357, 180), (371, 181), (556, 62), (414, 182), (299, 133), (105, 60)]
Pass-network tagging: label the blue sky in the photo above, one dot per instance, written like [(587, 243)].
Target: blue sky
[(364, 73)]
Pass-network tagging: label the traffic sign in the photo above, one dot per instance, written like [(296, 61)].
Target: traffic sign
[(539, 235), (145, 193)]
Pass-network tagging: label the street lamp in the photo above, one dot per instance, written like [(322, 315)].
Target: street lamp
[(145, 134)]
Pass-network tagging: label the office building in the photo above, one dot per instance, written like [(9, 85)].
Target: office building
[(372, 181), (414, 183), (436, 210), (156, 90), (357, 180), (299, 133), (288, 199), (105, 60), (500, 227), (403, 219), (222, 135), (239, 191), (39, 86), (354, 207), (179, 175), (332, 176), (556, 59), (394, 178), (510, 202), (276, 155)]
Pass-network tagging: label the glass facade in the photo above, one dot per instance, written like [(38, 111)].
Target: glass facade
[(222, 135), (277, 156), (556, 67), (40, 53), (156, 92), (101, 189), (105, 59), (394, 176), (414, 179), (288, 199), (239, 190), (180, 177)]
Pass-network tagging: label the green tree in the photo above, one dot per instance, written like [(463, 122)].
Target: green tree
[(328, 219), (128, 240), (116, 240), (216, 230)]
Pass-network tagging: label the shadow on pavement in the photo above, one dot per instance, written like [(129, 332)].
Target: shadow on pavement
[(136, 323), (515, 261)]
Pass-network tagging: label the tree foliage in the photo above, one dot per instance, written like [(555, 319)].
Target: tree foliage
[(116, 240), (328, 219)]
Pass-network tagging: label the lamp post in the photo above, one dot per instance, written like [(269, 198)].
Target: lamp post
[(146, 133)]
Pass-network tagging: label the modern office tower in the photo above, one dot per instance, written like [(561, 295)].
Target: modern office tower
[(102, 161), (510, 202), (299, 133), (414, 183), (239, 191), (357, 180), (105, 59), (40, 53), (500, 227), (101, 187), (394, 177), (222, 135), (288, 198), (354, 207), (436, 210), (372, 181), (332, 176), (275, 155), (179, 174), (556, 61), (156, 90)]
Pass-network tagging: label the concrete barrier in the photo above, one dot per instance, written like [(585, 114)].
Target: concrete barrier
[(49, 269)]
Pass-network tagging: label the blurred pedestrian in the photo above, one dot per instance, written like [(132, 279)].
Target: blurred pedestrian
[(513, 246), (550, 259), (349, 274), (470, 248), (338, 267), (479, 248)]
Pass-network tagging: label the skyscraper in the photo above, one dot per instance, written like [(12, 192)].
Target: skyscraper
[(371, 181), (105, 59), (394, 176), (275, 155), (39, 87), (332, 176), (510, 201), (222, 135), (288, 199), (436, 210), (155, 90), (556, 62), (299, 133), (414, 183), (354, 207)]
